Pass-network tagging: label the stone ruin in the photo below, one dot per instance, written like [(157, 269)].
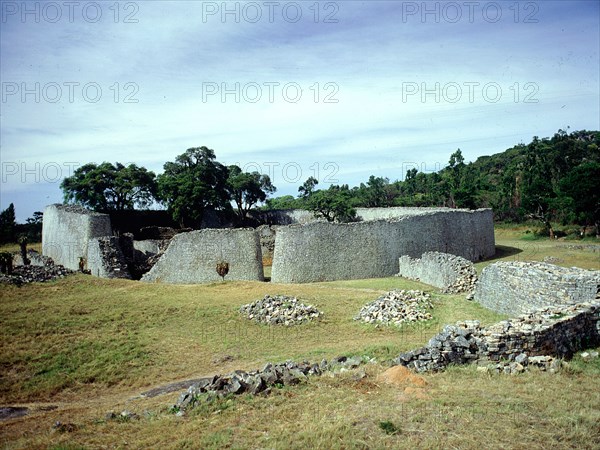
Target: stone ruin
[(451, 273), (558, 314), (514, 287), (316, 251), (547, 332)]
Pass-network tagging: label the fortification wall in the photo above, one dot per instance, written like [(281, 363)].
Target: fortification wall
[(516, 287), (301, 216), (105, 258), (450, 273), (326, 251), (394, 212), (66, 231), (192, 257)]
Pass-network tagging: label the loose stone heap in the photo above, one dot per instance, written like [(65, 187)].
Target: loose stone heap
[(30, 274), (259, 381), (280, 310), (397, 307), (451, 273), (517, 287), (558, 331)]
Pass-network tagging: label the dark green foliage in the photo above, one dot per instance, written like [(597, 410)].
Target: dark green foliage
[(8, 224), (108, 187), (333, 204), (550, 180), (192, 184), (247, 189)]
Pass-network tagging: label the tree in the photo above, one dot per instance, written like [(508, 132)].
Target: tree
[(582, 187), (333, 204), (247, 189), (108, 187), (307, 188), (193, 184), (8, 224)]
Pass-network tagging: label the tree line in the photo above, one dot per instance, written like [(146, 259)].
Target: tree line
[(551, 180)]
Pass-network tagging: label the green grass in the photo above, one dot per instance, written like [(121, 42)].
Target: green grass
[(89, 345)]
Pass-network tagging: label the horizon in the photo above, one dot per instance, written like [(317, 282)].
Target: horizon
[(384, 87)]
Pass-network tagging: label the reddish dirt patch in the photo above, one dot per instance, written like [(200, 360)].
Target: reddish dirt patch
[(413, 385)]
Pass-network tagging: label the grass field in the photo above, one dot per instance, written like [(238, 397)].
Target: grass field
[(74, 349)]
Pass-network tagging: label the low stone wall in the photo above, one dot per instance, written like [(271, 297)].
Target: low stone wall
[(327, 251), (105, 258), (67, 230), (516, 287), (451, 273), (192, 257), (558, 331)]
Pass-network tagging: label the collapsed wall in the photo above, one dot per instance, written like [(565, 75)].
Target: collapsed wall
[(555, 330), (193, 257), (516, 287), (67, 230), (105, 258), (451, 273), (332, 251)]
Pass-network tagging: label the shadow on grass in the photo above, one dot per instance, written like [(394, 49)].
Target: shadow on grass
[(504, 251)]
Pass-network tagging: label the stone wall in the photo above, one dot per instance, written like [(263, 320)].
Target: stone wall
[(192, 257), (451, 273), (325, 251), (301, 216), (394, 212), (516, 287), (105, 258), (67, 230), (558, 331)]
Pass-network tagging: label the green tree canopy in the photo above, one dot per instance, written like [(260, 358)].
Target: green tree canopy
[(247, 189), (108, 187), (193, 183), (8, 224), (333, 204)]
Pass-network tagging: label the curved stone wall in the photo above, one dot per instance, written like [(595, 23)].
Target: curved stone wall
[(515, 287), (67, 230), (192, 257), (327, 251)]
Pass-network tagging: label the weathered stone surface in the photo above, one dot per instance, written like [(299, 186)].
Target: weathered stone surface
[(105, 258), (451, 273), (397, 307), (517, 287), (288, 373), (67, 230), (329, 251), (280, 310), (532, 339), (192, 257), (35, 274)]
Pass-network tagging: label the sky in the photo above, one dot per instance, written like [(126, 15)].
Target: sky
[(336, 90)]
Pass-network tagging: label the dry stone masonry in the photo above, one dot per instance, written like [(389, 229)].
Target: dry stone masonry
[(40, 269), (331, 251), (105, 258), (67, 230), (517, 287), (193, 257), (451, 273), (280, 310), (262, 381), (533, 338), (397, 307)]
